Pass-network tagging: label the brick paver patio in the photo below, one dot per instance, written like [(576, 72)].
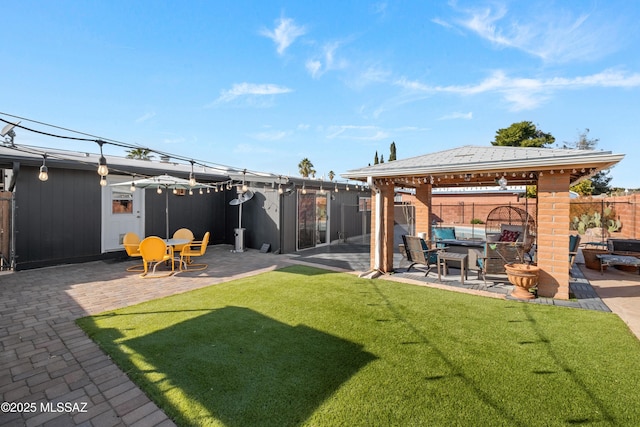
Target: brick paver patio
[(46, 360)]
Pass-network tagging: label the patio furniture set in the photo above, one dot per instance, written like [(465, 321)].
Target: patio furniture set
[(509, 239), (156, 251)]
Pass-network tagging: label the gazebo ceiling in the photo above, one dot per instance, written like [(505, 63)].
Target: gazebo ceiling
[(484, 166)]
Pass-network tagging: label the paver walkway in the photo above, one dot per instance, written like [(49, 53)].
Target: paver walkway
[(45, 359)]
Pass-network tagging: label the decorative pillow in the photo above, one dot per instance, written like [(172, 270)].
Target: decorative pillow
[(511, 227), (448, 233), (509, 236)]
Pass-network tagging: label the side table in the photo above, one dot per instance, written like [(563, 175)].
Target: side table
[(443, 257)]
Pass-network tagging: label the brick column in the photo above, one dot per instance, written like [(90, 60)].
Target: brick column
[(553, 235), (423, 210), (387, 218)]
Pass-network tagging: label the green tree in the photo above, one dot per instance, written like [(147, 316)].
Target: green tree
[(583, 188), (522, 134), (392, 152), (375, 158), (305, 167), (139, 154), (381, 158), (332, 175)]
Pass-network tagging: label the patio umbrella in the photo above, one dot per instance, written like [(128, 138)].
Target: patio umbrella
[(166, 183)]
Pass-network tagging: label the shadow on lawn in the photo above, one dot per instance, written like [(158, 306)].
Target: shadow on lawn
[(245, 368)]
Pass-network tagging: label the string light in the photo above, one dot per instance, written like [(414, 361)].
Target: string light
[(103, 170), (44, 171), (192, 178), (159, 190), (103, 181)]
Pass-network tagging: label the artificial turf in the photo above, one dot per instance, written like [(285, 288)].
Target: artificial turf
[(303, 346)]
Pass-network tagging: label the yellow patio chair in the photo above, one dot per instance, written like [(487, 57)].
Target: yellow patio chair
[(195, 249), (182, 233), (155, 251), (131, 243)]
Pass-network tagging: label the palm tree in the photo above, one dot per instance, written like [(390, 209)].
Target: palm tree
[(139, 153), (332, 175), (305, 167)]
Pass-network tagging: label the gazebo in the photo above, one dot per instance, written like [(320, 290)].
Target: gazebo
[(552, 170)]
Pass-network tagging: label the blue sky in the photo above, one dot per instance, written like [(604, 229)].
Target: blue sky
[(262, 84)]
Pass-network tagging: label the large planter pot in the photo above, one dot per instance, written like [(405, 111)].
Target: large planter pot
[(523, 277), (591, 261)]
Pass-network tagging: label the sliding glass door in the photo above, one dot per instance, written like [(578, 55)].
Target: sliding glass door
[(313, 219)]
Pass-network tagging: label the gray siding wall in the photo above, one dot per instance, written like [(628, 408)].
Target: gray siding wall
[(59, 220), (199, 213), (260, 218)]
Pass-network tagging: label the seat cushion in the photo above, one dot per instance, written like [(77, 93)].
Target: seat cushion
[(443, 233)]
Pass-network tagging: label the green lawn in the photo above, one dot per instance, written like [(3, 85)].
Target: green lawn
[(303, 346)]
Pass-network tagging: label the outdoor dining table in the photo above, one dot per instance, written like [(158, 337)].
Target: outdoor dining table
[(176, 242)]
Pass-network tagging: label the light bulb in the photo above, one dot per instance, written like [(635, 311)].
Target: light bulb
[(103, 181), (103, 170), (44, 173), (159, 190)]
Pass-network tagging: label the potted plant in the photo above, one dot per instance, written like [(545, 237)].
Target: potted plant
[(523, 276)]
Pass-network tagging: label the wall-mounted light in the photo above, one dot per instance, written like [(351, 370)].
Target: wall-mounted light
[(103, 170), (44, 171)]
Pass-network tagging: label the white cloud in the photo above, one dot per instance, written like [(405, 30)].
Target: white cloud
[(552, 34), (249, 91), (326, 62), (272, 135), (145, 117), (457, 115), (523, 93), (353, 132), (285, 33), (313, 67)]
